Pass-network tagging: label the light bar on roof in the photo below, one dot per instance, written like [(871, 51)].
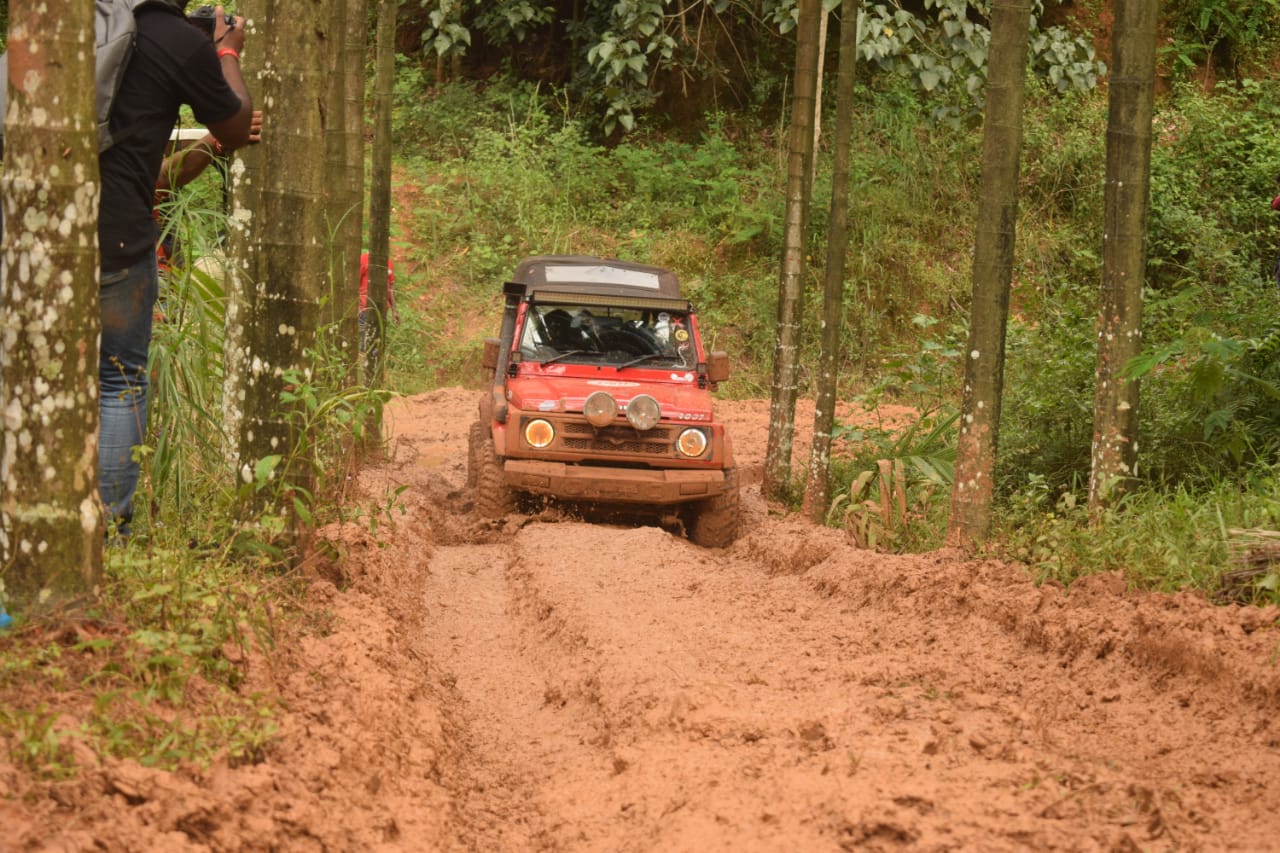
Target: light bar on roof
[(544, 297), (602, 274)]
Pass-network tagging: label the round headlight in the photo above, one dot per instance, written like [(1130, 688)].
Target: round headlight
[(539, 432), (600, 409), (692, 442), (643, 412)]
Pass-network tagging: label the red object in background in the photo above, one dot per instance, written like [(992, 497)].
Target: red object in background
[(364, 280)]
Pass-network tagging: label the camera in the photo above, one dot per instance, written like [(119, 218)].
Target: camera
[(203, 18)]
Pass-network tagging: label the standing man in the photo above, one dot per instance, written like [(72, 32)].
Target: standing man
[(174, 62)]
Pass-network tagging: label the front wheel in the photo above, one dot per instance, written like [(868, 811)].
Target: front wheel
[(713, 523), (494, 498)]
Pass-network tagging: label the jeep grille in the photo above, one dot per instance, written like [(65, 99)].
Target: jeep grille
[(617, 439)]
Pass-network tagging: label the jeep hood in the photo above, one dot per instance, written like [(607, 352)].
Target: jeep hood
[(677, 394)]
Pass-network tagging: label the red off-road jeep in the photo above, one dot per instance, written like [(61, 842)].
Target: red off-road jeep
[(602, 394)]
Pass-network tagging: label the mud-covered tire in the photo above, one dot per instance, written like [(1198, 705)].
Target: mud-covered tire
[(494, 498), (713, 523), (475, 444)]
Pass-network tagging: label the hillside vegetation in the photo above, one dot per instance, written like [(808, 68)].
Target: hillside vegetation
[(506, 169)]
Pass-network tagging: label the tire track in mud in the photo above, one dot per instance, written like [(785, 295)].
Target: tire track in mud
[(667, 697), (616, 688)]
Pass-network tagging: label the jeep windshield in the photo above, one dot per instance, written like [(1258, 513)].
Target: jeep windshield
[(621, 336)]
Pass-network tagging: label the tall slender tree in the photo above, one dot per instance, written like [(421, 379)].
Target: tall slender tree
[(344, 187), (380, 190), (817, 486), (355, 50), (246, 179), (993, 256), (786, 352), (338, 322), (282, 281), (1126, 196), (51, 523)]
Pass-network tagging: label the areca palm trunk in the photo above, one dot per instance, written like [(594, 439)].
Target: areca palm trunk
[(817, 484), (993, 255), (51, 523), (282, 275), (786, 353), (1126, 201), (344, 202), (380, 191)]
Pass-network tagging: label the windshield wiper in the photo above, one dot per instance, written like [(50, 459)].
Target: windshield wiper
[(564, 354), (646, 357)]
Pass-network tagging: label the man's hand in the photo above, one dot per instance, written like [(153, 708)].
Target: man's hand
[(255, 128), (224, 36), (236, 131)]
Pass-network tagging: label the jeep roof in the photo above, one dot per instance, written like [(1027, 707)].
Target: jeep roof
[(544, 277)]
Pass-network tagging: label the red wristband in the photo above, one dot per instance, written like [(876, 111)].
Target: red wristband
[(227, 51)]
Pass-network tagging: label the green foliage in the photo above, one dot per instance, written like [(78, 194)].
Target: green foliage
[(893, 491), (527, 180), (706, 186), (1163, 539), (186, 392), (622, 58), (1210, 221), (36, 743), (1226, 33), (625, 58), (446, 35), (195, 622), (1206, 411), (445, 122), (1222, 402), (1046, 423), (899, 503), (1059, 196)]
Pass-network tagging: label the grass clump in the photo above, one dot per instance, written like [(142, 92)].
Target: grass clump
[(1159, 539), (156, 671)]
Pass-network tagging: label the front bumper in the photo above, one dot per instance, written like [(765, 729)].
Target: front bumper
[(612, 485)]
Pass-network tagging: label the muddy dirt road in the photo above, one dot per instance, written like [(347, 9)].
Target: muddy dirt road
[(553, 684)]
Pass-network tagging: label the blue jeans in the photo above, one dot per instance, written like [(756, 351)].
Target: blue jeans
[(126, 299)]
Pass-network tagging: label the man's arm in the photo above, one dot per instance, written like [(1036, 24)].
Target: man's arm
[(234, 132), (183, 167)]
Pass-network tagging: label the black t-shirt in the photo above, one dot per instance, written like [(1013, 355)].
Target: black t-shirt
[(173, 63)]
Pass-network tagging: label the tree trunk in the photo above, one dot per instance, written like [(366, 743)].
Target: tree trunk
[(286, 271), (353, 234), (343, 200), (972, 491), (243, 268), (51, 521), (824, 18), (380, 193), (817, 487), (1125, 199), (786, 367)]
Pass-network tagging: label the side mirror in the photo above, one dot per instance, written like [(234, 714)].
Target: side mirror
[(717, 366), (490, 359)]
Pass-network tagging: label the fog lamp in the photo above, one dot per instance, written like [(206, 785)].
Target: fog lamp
[(600, 409), (643, 412)]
